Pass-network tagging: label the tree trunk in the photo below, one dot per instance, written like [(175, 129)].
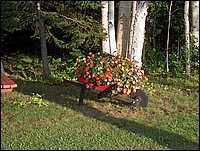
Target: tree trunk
[(187, 36), (167, 51), (123, 26), (45, 63), (105, 41), (154, 37), (111, 26), (139, 32), (195, 23), (132, 24)]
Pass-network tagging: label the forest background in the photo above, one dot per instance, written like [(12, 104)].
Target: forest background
[(74, 28)]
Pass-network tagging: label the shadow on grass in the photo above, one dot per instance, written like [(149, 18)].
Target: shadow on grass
[(55, 94)]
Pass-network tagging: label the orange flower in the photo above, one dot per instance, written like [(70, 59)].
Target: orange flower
[(108, 75), (133, 89), (108, 69), (104, 79)]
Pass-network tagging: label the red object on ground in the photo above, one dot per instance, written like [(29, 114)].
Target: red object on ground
[(7, 84)]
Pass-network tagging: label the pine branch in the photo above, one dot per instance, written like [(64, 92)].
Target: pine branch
[(67, 18)]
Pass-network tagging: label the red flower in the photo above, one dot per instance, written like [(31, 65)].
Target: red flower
[(76, 71), (108, 69), (91, 64)]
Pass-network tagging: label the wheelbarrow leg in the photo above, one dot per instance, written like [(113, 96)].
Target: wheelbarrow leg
[(100, 95), (82, 94)]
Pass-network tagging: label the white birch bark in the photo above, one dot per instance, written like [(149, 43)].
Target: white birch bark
[(123, 27), (45, 63), (105, 41), (187, 36), (139, 32), (111, 26), (195, 22), (167, 53), (132, 24)]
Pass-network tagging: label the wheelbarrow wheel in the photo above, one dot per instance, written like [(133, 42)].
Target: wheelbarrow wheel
[(140, 98)]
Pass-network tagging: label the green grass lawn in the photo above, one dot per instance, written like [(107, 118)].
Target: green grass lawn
[(169, 122)]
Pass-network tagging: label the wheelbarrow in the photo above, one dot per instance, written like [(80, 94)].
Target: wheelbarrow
[(139, 97)]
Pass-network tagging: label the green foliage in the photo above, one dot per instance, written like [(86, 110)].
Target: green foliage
[(175, 65), (155, 64), (71, 25), (61, 68), (28, 67), (36, 99), (156, 40), (23, 66), (194, 56), (156, 24), (17, 15)]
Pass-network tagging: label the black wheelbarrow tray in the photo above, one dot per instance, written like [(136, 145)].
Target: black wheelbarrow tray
[(139, 97)]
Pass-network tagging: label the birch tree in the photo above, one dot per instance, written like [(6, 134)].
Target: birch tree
[(187, 36), (139, 32), (105, 41), (45, 63), (111, 26), (167, 51), (132, 24), (123, 26), (195, 22)]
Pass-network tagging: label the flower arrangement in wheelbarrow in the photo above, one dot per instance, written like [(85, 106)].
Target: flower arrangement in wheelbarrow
[(123, 75)]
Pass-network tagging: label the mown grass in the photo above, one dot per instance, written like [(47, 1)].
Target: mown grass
[(169, 122)]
